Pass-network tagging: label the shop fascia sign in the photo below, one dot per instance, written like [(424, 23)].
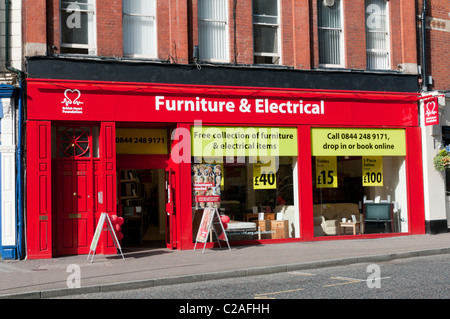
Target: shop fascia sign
[(136, 102)]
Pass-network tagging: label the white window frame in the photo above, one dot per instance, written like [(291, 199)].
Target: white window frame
[(92, 34), (202, 46), (341, 63), (274, 25), (387, 51), (155, 34)]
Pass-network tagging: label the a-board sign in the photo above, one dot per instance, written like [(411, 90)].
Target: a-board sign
[(104, 217), (210, 218), (205, 225)]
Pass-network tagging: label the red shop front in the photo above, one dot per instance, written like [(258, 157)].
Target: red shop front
[(282, 164)]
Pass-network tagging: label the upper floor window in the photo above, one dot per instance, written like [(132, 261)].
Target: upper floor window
[(139, 28), (213, 30), (266, 25), (377, 35), (78, 26), (330, 33)]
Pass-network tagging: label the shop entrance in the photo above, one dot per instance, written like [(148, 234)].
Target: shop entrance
[(142, 206), (143, 201)]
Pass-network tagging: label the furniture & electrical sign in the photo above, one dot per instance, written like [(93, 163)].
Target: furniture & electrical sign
[(167, 103)]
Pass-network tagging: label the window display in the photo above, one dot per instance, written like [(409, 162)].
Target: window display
[(255, 189), (359, 181)]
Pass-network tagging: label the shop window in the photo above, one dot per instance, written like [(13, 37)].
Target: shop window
[(213, 30), (359, 181), (377, 34), (139, 28), (77, 142), (266, 25), (78, 27), (257, 193), (330, 33)]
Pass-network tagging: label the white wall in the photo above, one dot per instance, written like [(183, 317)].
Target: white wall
[(8, 174), (15, 30)]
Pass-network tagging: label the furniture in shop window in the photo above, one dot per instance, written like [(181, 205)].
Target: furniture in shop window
[(379, 213), (279, 228)]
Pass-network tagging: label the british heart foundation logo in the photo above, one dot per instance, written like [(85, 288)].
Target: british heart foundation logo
[(431, 112), (71, 102)]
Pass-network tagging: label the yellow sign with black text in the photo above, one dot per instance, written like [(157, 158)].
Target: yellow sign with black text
[(263, 177), (141, 141), (219, 141), (358, 142), (372, 170), (326, 172)]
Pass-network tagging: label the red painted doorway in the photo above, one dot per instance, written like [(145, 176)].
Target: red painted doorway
[(74, 189), (75, 206)]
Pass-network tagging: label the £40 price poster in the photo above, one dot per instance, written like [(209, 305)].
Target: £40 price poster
[(326, 172), (264, 177)]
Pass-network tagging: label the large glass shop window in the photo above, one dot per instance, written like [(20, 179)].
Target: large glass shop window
[(249, 174), (359, 181)]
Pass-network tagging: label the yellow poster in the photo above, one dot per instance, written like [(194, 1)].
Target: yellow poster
[(372, 170), (141, 141), (263, 177), (358, 142), (326, 172), (219, 141)]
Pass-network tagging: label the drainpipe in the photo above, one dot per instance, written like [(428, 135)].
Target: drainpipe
[(21, 76), (424, 47)]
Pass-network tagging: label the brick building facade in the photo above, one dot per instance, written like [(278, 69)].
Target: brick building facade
[(438, 43), (177, 32)]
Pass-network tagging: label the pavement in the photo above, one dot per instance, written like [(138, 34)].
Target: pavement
[(148, 267)]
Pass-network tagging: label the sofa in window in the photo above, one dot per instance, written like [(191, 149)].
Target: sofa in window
[(332, 213)]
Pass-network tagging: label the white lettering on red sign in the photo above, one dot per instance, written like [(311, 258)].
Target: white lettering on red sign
[(264, 106)]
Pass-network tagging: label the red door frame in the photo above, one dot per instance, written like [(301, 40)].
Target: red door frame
[(171, 207), (39, 190)]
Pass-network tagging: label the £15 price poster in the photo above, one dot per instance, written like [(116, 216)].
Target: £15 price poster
[(326, 172)]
